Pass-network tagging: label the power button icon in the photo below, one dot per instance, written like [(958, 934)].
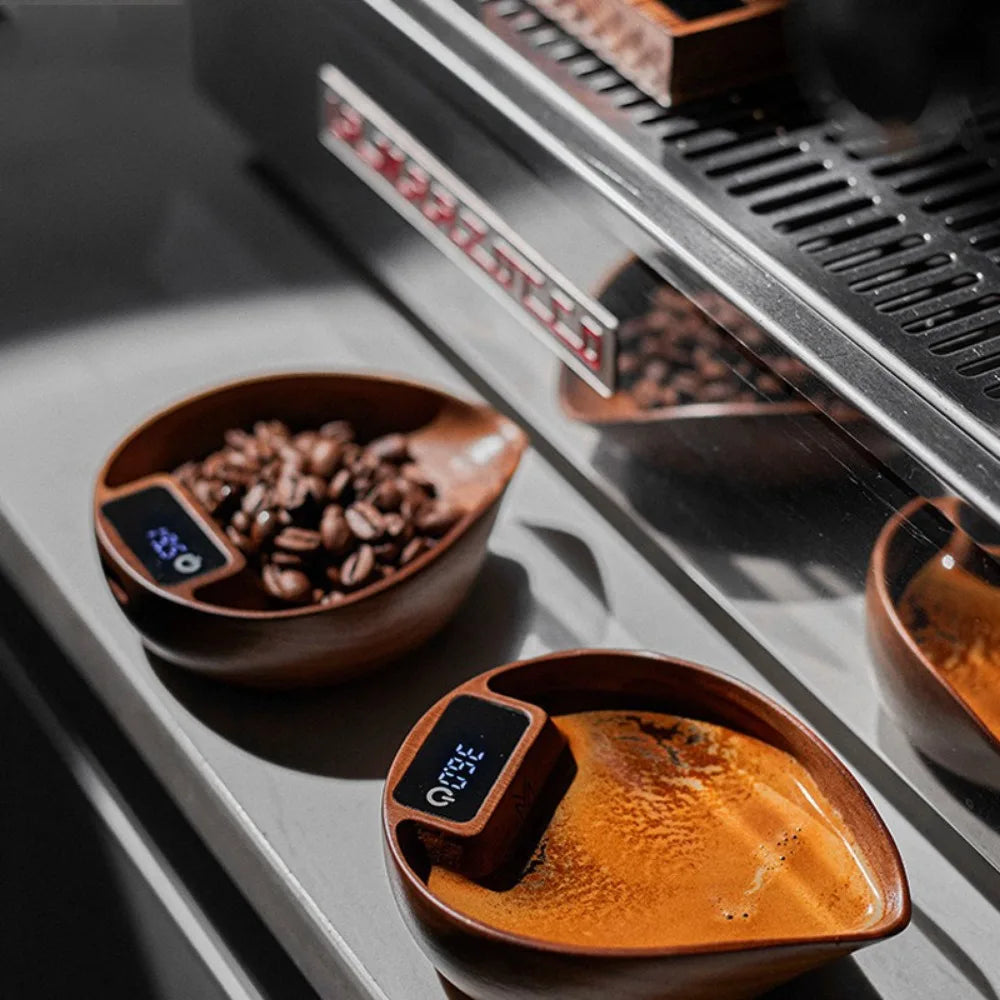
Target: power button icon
[(188, 563), (439, 796)]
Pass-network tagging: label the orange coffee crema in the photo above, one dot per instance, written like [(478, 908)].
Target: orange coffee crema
[(954, 616), (675, 832)]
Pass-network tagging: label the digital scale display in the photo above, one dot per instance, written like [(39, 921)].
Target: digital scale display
[(164, 537), (461, 759)]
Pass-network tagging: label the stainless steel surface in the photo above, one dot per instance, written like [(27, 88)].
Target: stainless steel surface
[(783, 570), (436, 203), (592, 154), (206, 278)]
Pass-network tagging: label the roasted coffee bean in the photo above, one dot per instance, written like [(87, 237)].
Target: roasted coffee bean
[(656, 369), (271, 430), (290, 585), (397, 526), (187, 473), (687, 383), (287, 559), (315, 513), (304, 442), (299, 540), (334, 530), (384, 472), (387, 496), (340, 485), (315, 487), (289, 491), (646, 393), (324, 458), (255, 498), (390, 448), (292, 460), (628, 364), (208, 494), (387, 552), (238, 539), (339, 430), (716, 392), (414, 548), (265, 524), (241, 521), (769, 385), (712, 370), (362, 485), (365, 521), (358, 568), (675, 354)]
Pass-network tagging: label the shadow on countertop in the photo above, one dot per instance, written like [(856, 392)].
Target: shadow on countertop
[(833, 982), (354, 730)]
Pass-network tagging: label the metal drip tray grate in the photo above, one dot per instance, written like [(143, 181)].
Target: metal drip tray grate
[(905, 244)]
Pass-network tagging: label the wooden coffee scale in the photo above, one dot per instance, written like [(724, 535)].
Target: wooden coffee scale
[(477, 799), (681, 49)]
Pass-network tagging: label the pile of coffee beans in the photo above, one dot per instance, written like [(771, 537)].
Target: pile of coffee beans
[(318, 515), (674, 354)]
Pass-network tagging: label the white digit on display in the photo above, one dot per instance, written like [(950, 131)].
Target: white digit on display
[(447, 776), (464, 751)]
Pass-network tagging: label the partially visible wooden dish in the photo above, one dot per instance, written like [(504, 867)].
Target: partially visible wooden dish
[(935, 717), (469, 450)]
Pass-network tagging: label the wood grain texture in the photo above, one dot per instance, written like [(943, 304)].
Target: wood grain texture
[(488, 964), (469, 450), (674, 59)]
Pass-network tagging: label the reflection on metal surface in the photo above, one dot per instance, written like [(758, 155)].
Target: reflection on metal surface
[(376, 148), (847, 252), (934, 627), (692, 398)]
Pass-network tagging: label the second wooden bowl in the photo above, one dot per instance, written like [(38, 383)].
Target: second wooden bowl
[(935, 717), (204, 623), (487, 963)]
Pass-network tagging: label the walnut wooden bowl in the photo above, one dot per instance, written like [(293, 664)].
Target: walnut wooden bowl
[(761, 442), (934, 716), (491, 964), (210, 623)]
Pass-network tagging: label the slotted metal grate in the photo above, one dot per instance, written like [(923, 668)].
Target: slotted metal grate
[(905, 243)]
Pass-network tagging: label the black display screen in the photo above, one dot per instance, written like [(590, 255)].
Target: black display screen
[(694, 10), (461, 759), (165, 538)]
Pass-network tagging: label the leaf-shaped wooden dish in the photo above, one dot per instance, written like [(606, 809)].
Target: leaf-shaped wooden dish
[(944, 706), (583, 825), (215, 622)]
